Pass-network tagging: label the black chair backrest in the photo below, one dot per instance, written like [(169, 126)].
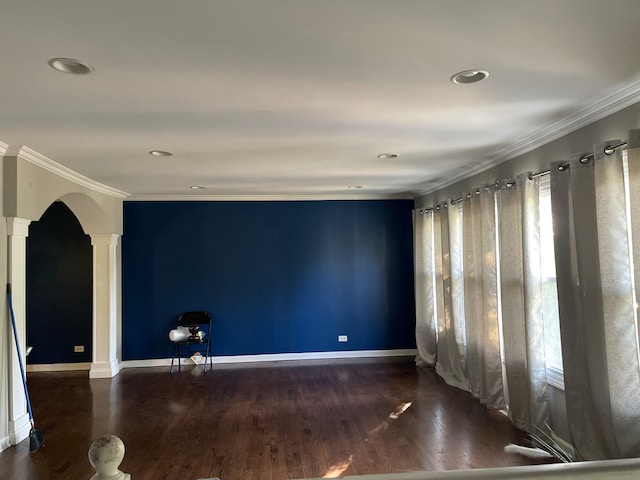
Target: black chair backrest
[(194, 318)]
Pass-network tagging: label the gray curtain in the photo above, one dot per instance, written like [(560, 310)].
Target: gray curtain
[(484, 363), (450, 363), (424, 275), (597, 301), (521, 302)]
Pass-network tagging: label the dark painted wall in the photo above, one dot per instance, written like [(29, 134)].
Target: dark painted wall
[(278, 277), (59, 288)]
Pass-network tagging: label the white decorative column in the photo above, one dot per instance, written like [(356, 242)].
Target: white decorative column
[(105, 362), (17, 232)]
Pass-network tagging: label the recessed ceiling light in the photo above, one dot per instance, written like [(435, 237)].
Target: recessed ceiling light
[(197, 187), (70, 65), (469, 76), (388, 155), (160, 153), (354, 186)]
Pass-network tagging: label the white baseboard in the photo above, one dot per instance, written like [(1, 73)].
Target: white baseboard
[(58, 367), (231, 359), (4, 443), (104, 369), (279, 357), (19, 429)]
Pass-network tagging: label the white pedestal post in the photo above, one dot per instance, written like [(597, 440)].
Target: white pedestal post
[(105, 362), (105, 456)]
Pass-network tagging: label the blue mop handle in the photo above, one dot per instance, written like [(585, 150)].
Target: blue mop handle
[(15, 336)]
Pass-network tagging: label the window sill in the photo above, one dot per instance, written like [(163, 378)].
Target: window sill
[(555, 378)]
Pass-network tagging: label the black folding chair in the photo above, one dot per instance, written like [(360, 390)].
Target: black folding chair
[(199, 326)]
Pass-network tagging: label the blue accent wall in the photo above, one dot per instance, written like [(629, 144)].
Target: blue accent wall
[(277, 277), (59, 288)]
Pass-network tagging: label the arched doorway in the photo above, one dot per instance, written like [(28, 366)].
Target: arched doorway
[(31, 184), (59, 292)]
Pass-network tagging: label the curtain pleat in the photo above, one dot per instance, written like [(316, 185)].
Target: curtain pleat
[(484, 363), (424, 289), (521, 296), (597, 306), (441, 276), (449, 364), (473, 299), (457, 327), (491, 330)]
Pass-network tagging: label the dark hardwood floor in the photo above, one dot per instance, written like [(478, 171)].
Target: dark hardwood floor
[(277, 421)]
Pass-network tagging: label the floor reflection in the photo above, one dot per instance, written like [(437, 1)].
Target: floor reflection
[(392, 416), (337, 470)]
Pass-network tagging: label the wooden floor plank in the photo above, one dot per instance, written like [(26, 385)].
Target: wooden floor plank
[(274, 421)]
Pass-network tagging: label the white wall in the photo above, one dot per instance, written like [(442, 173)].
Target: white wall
[(33, 182)]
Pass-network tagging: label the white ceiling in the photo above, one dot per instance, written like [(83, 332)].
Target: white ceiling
[(298, 97)]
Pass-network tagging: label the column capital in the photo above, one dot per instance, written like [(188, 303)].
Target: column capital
[(109, 239), (18, 227)]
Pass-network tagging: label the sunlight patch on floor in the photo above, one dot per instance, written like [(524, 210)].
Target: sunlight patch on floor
[(337, 470), (392, 416)]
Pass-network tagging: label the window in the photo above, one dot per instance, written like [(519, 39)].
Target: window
[(627, 196), (553, 349)]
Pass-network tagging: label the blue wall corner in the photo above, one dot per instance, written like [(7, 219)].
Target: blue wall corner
[(278, 277)]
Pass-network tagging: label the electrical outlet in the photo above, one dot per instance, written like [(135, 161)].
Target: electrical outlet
[(342, 338), (78, 348)]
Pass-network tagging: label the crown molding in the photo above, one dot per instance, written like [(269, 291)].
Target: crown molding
[(615, 100), (264, 198), (3, 149), (31, 156)]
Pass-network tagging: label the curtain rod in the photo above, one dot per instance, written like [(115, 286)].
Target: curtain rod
[(608, 150), (453, 201), (478, 190)]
